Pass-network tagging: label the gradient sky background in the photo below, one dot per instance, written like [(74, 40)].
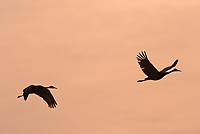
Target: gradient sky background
[(87, 50)]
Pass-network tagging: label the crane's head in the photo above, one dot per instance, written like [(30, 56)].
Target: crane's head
[(176, 70), (52, 87)]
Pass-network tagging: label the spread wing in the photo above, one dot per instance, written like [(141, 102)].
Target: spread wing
[(47, 96), (167, 68), (146, 65)]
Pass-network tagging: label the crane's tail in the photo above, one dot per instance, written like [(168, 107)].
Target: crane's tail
[(19, 96)]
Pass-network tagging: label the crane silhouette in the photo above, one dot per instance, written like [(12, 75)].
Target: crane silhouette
[(42, 92), (150, 70)]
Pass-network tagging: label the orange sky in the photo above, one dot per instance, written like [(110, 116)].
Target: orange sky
[(87, 50)]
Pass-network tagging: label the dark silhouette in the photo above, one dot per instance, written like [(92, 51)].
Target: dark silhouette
[(42, 92), (150, 70)]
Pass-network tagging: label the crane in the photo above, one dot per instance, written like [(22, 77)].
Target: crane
[(42, 92), (150, 70)]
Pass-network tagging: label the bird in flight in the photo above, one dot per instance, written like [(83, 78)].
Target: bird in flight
[(150, 70), (42, 92)]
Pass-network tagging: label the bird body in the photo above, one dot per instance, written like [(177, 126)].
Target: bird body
[(42, 92), (150, 70)]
